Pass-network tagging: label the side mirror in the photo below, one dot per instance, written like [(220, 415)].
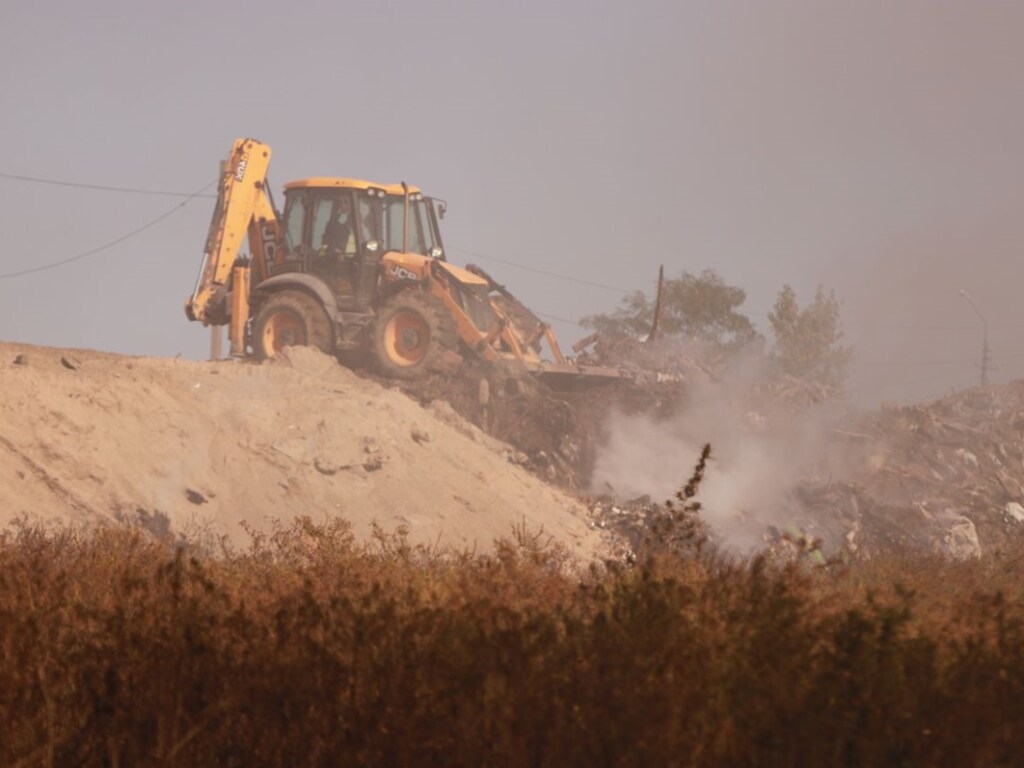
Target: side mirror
[(442, 209)]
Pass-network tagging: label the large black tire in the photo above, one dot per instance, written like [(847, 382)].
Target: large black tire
[(413, 335), (290, 319)]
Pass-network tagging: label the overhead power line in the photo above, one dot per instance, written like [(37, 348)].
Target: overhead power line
[(751, 313), (112, 243), (559, 319), (131, 190), (557, 275), (517, 265)]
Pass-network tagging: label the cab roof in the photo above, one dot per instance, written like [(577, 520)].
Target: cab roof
[(321, 182)]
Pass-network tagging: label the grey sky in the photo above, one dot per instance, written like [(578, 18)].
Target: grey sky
[(873, 147)]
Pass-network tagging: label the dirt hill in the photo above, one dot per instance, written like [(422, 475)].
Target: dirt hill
[(89, 436)]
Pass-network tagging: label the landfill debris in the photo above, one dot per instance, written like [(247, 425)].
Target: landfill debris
[(943, 475)]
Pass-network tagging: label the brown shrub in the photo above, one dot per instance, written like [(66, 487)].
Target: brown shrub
[(308, 649)]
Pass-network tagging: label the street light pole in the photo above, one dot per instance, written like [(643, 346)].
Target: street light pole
[(985, 357)]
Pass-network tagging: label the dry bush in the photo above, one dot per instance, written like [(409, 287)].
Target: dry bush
[(307, 648)]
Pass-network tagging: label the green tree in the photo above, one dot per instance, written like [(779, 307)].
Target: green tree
[(807, 340), (701, 307)]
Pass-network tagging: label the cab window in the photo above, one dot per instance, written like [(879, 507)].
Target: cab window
[(396, 223), (294, 221), (333, 223), (321, 215)]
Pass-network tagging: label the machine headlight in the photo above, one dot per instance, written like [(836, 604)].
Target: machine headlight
[(372, 246), (436, 252)]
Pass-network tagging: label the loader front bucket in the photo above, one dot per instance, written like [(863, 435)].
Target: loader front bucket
[(570, 377)]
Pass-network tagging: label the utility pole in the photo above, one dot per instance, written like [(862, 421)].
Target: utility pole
[(986, 357)]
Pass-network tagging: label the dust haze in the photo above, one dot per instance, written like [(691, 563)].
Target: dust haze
[(760, 450)]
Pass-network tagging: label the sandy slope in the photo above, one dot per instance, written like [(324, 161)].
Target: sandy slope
[(217, 444)]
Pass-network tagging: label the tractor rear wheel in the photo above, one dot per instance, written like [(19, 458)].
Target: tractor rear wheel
[(413, 333), (290, 319)]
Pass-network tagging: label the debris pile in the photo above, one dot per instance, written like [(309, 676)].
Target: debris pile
[(628, 522), (547, 433), (799, 392), (646, 363), (945, 475), (556, 434)]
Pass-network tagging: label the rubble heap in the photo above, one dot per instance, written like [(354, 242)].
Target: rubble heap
[(945, 474), (646, 363)]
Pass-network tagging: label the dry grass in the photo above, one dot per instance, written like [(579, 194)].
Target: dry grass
[(117, 648)]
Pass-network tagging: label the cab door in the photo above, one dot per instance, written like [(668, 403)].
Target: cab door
[(335, 240)]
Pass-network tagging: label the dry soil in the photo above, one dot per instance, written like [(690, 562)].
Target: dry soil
[(91, 437)]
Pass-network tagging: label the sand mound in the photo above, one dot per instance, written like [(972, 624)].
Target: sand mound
[(89, 436)]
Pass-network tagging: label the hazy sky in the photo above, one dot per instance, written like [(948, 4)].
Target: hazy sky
[(876, 148)]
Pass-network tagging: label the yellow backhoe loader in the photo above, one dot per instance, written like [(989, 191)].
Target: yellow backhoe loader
[(359, 267)]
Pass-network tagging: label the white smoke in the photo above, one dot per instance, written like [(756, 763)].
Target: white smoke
[(759, 451)]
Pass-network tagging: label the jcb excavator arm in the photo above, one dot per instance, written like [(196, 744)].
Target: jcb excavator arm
[(243, 208)]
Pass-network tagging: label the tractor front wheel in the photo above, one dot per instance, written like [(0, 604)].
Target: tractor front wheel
[(412, 334)]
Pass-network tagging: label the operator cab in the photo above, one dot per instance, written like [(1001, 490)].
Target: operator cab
[(311, 204), (338, 229)]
